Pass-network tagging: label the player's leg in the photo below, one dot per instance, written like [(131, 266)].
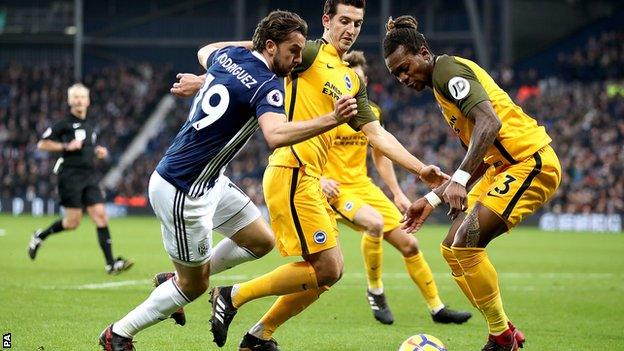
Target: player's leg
[(303, 227), (97, 212), (328, 267), (70, 221), (364, 218), (70, 190), (189, 283), (421, 274), (514, 193), (186, 224), (247, 235), (447, 253), (480, 226)]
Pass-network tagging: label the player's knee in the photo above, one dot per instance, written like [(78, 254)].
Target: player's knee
[(192, 288), (263, 246), (71, 223), (329, 273), (375, 226), (409, 248)]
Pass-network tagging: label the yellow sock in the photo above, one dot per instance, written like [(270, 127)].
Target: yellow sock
[(483, 283), (286, 279), (457, 273), (372, 252), (283, 309), (420, 272)]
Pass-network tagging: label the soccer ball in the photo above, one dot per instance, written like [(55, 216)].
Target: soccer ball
[(422, 342)]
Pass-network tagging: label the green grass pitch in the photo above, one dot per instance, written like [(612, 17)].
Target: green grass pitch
[(564, 290)]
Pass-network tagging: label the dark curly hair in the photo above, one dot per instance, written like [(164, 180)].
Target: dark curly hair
[(403, 31), (277, 26)]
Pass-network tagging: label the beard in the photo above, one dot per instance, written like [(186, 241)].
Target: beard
[(279, 68)]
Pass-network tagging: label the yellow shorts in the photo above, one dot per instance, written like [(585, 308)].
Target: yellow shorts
[(353, 196), (516, 191), (301, 218)]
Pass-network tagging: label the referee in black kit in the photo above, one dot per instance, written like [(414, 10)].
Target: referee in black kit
[(78, 187)]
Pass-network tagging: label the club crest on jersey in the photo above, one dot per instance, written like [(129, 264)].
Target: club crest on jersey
[(320, 237), (275, 98), (459, 87), (348, 82), (202, 247), (348, 205)]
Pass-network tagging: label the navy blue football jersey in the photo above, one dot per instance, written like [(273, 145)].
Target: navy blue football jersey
[(239, 88)]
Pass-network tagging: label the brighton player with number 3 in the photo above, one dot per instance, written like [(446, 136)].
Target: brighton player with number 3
[(512, 153), (189, 192)]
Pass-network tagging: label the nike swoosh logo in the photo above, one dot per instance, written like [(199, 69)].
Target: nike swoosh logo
[(493, 195), (330, 67), (429, 282)]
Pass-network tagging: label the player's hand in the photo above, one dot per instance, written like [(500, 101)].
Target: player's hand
[(187, 85), (416, 215), (432, 176), (455, 195), (402, 202), (345, 108), (331, 188), (101, 152), (74, 145)]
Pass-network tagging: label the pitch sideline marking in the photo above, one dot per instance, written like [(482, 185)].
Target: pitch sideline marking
[(243, 277)]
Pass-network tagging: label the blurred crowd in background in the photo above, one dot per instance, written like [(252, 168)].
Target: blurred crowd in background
[(581, 106)]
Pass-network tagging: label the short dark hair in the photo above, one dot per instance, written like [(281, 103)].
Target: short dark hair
[(356, 58), (403, 31), (277, 26), (331, 5)]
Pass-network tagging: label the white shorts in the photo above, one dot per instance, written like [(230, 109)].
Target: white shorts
[(187, 222)]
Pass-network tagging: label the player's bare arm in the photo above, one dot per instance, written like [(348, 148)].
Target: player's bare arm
[(387, 144), (386, 170), (204, 53), (188, 84), (279, 132), (57, 146), (487, 126)]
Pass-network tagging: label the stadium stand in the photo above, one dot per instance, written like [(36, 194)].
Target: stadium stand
[(582, 106)]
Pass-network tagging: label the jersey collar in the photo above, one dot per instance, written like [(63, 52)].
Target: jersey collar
[(260, 57)]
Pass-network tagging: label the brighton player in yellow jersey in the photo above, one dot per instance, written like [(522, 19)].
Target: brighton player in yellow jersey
[(301, 218), (354, 197), (506, 149)]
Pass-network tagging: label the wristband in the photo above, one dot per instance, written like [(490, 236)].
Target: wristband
[(460, 177), (433, 199)]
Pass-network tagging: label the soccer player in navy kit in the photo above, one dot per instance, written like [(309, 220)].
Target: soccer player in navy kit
[(188, 191)]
